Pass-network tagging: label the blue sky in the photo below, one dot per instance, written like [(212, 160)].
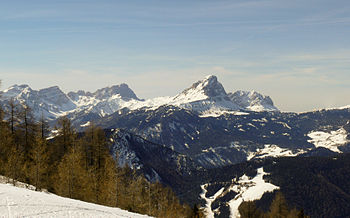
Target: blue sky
[(298, 52)]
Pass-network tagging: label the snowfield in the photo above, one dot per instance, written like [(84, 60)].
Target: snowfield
[(22, 202), (207, 210), (246, 189), (331, 140), (249, 190), (273, 151)]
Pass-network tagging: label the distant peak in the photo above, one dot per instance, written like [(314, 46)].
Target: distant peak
[(123, 90), (23, 86), (51, 89), (209, 86), (211, 77), (252, 100), (124, 85), (16, 89)]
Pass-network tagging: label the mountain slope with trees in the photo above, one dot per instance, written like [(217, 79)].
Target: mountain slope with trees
[(78, 166)]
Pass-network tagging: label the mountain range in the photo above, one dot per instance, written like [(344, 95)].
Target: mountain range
[(205, 143), (207, 97)]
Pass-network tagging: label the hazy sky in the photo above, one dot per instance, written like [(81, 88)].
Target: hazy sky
[(296, 51)]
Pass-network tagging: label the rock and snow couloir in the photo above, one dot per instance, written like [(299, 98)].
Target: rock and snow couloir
[(205, 96)]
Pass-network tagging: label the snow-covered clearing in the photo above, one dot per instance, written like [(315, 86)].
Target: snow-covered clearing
[(218, 113), (22, 202), (331, 140), (207, 210), (273, 151), (249, 190)]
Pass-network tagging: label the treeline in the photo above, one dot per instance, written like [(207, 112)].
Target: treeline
[(78, 166), (320, 185), (278, 209)]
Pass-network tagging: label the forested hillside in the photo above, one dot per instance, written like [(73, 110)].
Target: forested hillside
[(77, 166), (319, 186)]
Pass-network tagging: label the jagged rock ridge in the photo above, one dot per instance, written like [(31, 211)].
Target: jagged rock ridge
[(206, 97), (252, 100)]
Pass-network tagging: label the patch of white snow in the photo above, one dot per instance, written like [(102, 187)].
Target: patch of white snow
[(22, 202), (249, 190), (207, 209), (331, 140), (273, 151)]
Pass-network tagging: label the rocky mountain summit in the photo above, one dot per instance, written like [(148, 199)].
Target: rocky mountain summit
[(252, 101), (206, 97)]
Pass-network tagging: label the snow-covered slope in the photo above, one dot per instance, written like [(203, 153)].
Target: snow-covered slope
[(330, 140), (207, 96), (246, 189), (121, 90), (252, 101), (51, 102), (249, 190), (22, 202), (273, 151)]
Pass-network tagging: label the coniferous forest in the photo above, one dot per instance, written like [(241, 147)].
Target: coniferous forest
[(78, 166)]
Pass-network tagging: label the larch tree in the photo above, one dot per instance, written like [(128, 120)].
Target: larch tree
[(71, 174), (248, 209), (6, 142), (39, 162), (13, 117), (65, 136), (27, 129), (278, 207)]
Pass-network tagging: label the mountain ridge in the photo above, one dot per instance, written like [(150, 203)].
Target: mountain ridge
[(205, 96)]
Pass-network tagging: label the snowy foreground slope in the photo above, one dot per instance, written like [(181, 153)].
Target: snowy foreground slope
[(21, 202)]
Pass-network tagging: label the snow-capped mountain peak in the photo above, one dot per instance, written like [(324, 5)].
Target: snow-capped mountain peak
[(252, 100), (123, 90), (52, 101), (56, 96), (207, 88), (16, 90), (207, 97)]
